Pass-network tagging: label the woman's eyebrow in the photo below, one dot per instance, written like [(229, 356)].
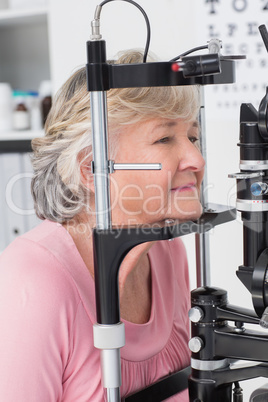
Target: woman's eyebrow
[(170, 124), (167, 124)]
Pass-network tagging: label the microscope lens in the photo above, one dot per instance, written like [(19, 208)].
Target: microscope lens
[(258, 188)]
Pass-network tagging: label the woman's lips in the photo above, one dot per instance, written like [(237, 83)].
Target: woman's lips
[(186, 187)]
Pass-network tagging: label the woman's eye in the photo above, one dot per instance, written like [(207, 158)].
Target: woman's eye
[(163, 140), (194, 139)]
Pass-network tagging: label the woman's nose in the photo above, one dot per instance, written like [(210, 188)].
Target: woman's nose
[(191, 158)]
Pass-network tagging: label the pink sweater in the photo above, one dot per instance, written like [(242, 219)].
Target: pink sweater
[(47, 308)]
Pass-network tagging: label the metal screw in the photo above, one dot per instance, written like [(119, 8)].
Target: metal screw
[(196, 314), (195, 344)]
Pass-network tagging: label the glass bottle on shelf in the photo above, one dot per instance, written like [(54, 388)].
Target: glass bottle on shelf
[(21, 115), (45, 93), (34, 106)]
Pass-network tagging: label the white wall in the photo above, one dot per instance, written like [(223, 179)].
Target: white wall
[(175, 27)]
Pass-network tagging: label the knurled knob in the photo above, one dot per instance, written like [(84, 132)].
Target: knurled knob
[(195, 344), (196, 314)]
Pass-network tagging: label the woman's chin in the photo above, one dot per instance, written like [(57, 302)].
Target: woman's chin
[(188, 212)]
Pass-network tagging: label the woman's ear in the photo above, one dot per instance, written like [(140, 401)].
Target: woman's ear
[(85, 163)]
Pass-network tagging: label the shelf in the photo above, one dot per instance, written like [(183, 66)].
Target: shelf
[(18, 141), (22, 16), (20, 135)]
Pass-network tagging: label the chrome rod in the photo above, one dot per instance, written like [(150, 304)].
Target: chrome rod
[(112, 394), (202, 240), (137, 166), (98, 101), (202, 259), (111, 377)]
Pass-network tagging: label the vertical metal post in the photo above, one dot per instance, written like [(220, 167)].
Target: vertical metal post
[(110, 356), (202, 240), (98, 102), (113, 395)]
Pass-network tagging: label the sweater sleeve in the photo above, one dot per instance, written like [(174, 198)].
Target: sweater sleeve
[(38, 306)]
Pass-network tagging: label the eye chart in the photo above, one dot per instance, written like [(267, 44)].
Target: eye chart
[(235, 23)]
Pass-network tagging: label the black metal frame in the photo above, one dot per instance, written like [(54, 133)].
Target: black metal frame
[(214, 342), (111, 245), (208, 69)]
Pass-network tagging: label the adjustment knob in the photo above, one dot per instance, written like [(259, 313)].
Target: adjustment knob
[(259, 188), (196, 314), (195, 344)]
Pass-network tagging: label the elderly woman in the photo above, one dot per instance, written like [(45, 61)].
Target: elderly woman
[(47, 306)]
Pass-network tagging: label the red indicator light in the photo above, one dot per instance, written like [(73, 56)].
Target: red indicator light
[(175, 67)]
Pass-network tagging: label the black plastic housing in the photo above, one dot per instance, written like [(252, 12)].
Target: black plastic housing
[(199, 70), (110, 246)]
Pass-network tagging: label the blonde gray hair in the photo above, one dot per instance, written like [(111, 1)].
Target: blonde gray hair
[(58, 192)]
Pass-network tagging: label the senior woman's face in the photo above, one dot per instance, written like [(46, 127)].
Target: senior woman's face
[(152, 196)]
